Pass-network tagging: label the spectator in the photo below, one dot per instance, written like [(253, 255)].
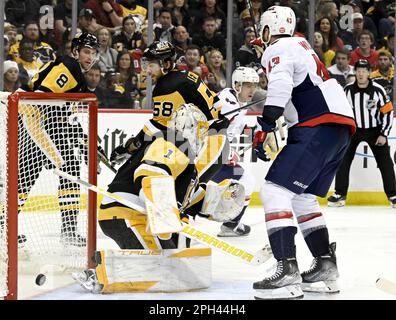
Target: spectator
[(248, 54), (364, 50), (192, 62), (385, 73), (63, 16), (325, 55), (108, 13), (19, 12), (130, 7), (389, 46), (209, 39), (381, 18), (217, 71), (11, 32), (164, 29), (128, 38), (46, 28), (368, 23), (115, 95), (11, 76), (93, 79), (65, 49), (6, 49), (180, 14), (326, 26), (27, 62), (350, 36), (341, 69), (181, 41), (257, 12), (87, 21), (42, 51), (128, 78), (210, 9), (329, 9), (107, 55)]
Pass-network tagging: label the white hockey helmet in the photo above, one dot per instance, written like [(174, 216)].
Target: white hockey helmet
[(192, 124), (279, 21), (243, 74)]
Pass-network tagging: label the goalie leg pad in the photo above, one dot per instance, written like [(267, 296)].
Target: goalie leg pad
[(171, 270), (161, 207)]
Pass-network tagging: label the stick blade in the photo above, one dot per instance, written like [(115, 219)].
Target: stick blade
[(386, 285)]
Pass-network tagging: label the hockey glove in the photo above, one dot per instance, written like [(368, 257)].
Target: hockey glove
[(264, 137), (123, 152)]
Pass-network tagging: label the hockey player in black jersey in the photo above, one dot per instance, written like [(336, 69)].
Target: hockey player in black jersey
[(65, 74)]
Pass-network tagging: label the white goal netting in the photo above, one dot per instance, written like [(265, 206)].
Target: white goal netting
[(52, 211)]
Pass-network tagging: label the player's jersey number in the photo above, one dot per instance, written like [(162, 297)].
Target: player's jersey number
[(163, 109), (62, 80)]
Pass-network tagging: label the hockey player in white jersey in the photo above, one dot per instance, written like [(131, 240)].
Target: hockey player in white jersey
[(320, 124), (244, 84)]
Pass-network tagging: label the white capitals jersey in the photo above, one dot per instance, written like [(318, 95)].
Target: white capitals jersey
[(228, 100), (299, 83)]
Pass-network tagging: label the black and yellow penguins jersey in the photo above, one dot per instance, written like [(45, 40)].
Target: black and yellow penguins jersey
[(160, 156), (179, 87), (59, 76)]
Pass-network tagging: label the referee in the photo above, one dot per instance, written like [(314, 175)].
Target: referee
[(374, 116)]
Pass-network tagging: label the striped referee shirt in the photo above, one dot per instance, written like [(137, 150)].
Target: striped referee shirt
[(371, 106)]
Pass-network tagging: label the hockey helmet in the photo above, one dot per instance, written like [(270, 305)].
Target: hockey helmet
[(279, 21), (160, 51), (192, 124), (244, 74), (85, 40)]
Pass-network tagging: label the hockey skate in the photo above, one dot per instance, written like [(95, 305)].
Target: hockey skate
[(284, 284), (233, 229), (323, 274), (336, 200), (392, 201), (88, 280), (72, 239)]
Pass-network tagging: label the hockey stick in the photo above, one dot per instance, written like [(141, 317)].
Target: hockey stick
[(244, 107), (106, 162), (250, 8), (189, 231), (386, 285)]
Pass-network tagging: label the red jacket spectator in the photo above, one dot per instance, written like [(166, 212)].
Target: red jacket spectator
[(372, 58), (104, 16)]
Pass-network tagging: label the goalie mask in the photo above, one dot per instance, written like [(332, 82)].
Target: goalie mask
[(277, 21), (192, 124), (241, 75)]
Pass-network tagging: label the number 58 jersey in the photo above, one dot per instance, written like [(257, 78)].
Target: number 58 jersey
[(299, 83)]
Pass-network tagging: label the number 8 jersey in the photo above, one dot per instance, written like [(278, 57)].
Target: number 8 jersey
[(59, 76), (299, 83)]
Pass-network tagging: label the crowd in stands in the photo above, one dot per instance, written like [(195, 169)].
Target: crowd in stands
[(37, 31)]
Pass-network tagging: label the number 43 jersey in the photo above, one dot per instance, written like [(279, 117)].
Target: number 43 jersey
[(180, 87), (59, 76), (299, 83)]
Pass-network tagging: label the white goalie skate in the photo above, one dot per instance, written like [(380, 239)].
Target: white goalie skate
[(88, 280)]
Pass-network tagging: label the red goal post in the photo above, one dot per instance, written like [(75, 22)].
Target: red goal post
[(38, 130)]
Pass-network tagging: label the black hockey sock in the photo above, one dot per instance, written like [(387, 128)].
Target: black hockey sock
[(282, 243), (318, 242)]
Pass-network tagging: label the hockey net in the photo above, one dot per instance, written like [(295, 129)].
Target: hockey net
[(44, 219)]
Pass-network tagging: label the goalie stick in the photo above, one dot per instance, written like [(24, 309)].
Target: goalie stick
[(189, 231), (386, 285), (106, 162)]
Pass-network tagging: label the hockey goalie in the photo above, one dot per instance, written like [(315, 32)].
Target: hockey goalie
[(163, 179)]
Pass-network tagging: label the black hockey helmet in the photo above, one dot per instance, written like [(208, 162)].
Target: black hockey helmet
[(161, 51), (363, 63), (85, 40)]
